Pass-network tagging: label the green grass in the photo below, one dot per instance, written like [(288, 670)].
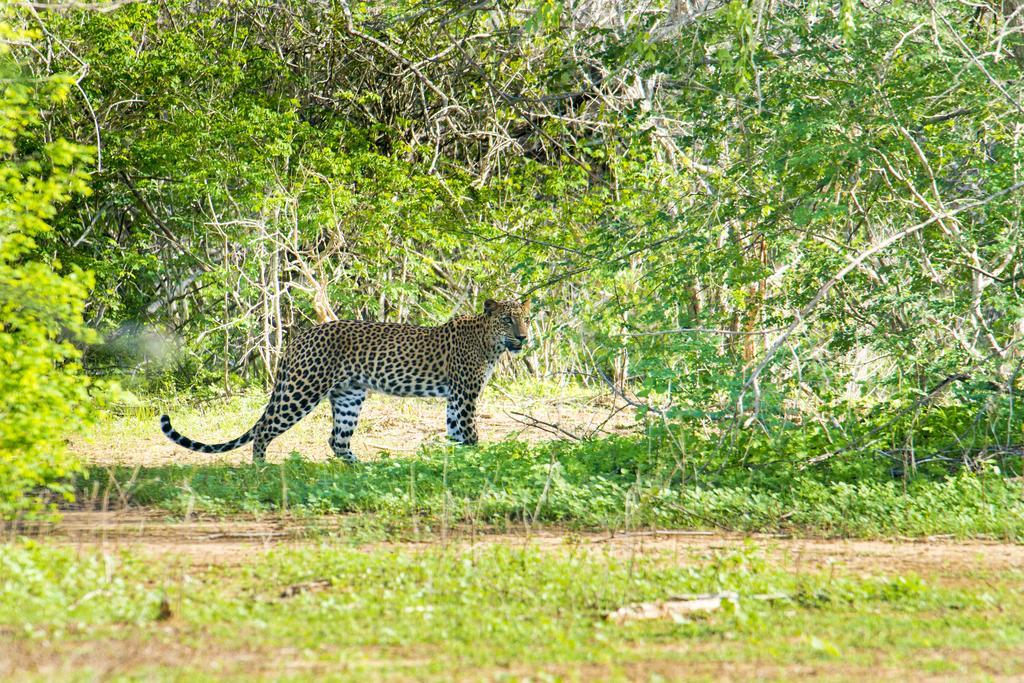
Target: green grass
[(493, 611), (610, 484)]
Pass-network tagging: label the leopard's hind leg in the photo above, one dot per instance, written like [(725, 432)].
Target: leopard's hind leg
[(346, 402), (287, 406)]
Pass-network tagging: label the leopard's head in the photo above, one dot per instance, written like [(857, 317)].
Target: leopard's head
[(507, 323)]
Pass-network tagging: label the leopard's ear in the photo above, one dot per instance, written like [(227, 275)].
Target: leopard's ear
[(490, 306), (525, 306)]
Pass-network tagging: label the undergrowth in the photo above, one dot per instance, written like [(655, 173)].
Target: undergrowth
[(608, 484)]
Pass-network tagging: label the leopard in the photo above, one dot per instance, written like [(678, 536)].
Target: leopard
[(343, 360)]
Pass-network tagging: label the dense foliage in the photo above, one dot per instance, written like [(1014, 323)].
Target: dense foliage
[(779, 228), (42, 394)]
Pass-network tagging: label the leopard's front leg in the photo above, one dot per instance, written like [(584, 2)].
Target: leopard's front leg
[(462, 417)]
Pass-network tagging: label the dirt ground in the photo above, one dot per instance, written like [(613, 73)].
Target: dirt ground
[(225, 542), (395, 425)]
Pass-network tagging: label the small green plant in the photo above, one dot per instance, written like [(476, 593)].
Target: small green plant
[(44, 586)]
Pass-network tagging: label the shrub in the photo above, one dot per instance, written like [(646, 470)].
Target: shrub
[(42, 395)]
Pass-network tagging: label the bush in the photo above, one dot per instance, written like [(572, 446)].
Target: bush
[(42, 395)]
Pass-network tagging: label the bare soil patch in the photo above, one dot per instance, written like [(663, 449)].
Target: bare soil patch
[(685, 666), (203, 541), (164, 648), (237, 539)]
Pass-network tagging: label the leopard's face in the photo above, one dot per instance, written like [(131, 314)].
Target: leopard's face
[(507, 323)]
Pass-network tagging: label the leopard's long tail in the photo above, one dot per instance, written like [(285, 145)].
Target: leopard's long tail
[(275, 397), (173, 435)]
